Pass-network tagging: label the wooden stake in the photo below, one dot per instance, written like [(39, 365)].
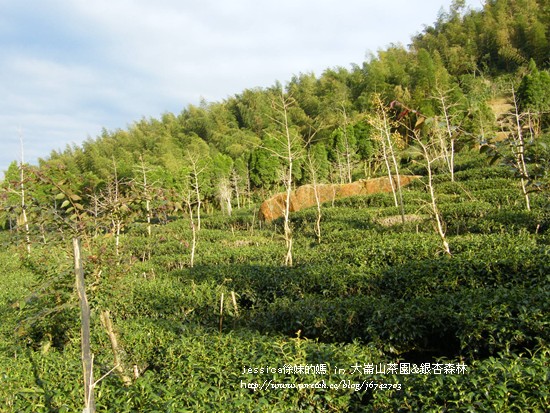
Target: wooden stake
[(87, 357), (234, 303), (221, 313)]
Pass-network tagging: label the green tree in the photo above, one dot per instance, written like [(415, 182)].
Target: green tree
[(367, 147), (252, 110), (344, 151), (11, 197), (534, 96)]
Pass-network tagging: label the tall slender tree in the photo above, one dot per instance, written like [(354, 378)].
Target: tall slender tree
[(384, 130), (24, 218), (288, 147), (197, 156)]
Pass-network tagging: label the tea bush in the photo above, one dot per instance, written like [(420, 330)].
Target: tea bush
[(373, 291)]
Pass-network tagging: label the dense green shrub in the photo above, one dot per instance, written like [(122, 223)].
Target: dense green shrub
[(369, 292)]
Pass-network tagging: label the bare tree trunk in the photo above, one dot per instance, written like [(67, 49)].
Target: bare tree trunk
[(433, 202), (248, 187), (518, 148), (288, 182), (340, 167), (287, 229), (447, 152), (95, 213), (193, 231), (87, 357), (108, 325), (25, 221), (382, 124), (146, 196), (225, 191), (347, 148), (195, 172), (235, 183), (199, 203), (289, 148), (117, 238), (313, 171), (398, 177), (115, 219), (388, 168)]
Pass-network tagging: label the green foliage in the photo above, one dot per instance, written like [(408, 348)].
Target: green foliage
[(367, 293), (48, 316), (264, 168), (534, 96), (372, 291), (490, 39)]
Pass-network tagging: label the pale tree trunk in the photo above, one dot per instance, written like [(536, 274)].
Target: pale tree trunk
[(24, 219), (347, 148), (429, 159), (95, 214), (289, 150), (382, 125), (108, 202), (288, 183), (287, 229), (195, 173), (224, 192), (398, 177), (146, 196), (388, 168), (193, 229), (87, 357), (518, 148), (115, 219), (117, 237), (108, 325), (447, 148), (148, 213), (340, 167), (194, 237), (199, 203), (235, 183), (248, 187), (229, 207), (313, 171)]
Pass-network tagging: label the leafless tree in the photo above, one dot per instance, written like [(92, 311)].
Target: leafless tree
[(24, 219), (517, 145), (188, 201), (235, 184), (113, 205), (87, 356), (313, 170), (288, 147), (446, 131), (146, 193), (432, 154), (225, 192), (383, 127), (197, 168)]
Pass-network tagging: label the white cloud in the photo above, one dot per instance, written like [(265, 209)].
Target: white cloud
[(71, 67)]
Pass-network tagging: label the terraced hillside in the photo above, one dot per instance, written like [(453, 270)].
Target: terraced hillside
[(373, 318)]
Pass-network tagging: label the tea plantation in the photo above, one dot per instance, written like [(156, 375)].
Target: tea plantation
[(374, 318)]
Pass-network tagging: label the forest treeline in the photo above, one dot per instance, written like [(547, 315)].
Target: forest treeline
[(223, 153)]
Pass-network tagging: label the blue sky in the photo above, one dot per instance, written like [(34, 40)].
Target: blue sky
[(69, 68)]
